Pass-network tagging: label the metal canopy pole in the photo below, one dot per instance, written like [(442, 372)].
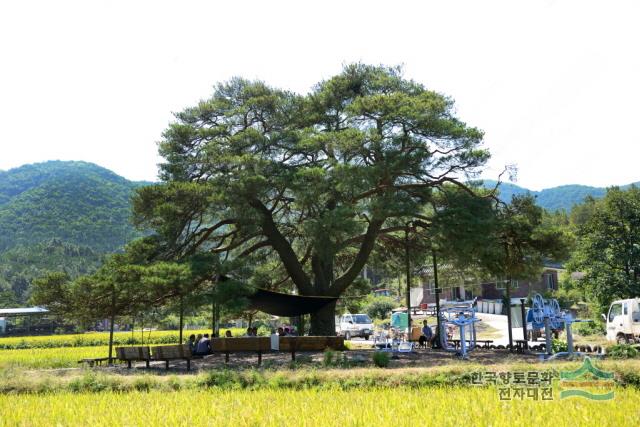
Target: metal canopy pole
[(436, 289), (408, 272), (524, 324), (509, 314)]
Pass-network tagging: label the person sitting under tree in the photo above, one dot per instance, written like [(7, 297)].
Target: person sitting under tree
[(427, 335), (192, 343)]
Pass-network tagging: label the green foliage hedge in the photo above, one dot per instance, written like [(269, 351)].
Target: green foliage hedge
[(622, 351)]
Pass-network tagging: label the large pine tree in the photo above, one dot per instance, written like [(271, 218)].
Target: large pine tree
[(310, 180)]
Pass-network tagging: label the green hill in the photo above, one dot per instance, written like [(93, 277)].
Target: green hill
[(61, 216), (552, 199)]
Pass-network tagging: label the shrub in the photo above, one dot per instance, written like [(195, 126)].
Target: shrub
[(328, 357), (622, 351), (589, 328), (381, 359), (145, 383), (558, 346), (174, 383), (92, 382)]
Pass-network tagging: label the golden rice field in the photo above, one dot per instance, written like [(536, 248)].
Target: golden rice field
[(102, 338), (44, 358), (398, 406)]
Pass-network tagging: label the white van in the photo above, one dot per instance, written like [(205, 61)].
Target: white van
[(354, 325), (623, 321)]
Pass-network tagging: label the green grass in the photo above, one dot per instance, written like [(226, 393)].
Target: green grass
[(313, 407)]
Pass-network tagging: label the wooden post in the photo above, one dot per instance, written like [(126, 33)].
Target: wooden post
[(112, 321), (181, 318), (142, 329), (215, 319)]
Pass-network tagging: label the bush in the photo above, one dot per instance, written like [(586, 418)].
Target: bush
[(558, 346), (381, 359), (328, 357), (589, 328), (94, 383), (145, 383), (622, 351)]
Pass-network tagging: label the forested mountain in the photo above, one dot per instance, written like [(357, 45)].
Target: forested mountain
[(556, 198), (65, 216), (60, 216)]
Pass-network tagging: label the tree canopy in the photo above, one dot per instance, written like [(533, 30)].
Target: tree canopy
[(308, 180)]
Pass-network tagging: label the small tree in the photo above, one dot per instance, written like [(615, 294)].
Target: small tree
[(380, 307), (521, 244), (608, 246)]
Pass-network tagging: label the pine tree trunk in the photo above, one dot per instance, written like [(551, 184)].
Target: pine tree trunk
[(323, 321)]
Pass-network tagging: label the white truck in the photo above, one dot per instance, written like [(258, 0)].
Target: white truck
[(354, 325), (623, 321)]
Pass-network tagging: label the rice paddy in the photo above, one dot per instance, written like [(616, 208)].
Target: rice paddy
[(102, 338), (436, 406), (33, 393), (47, 358)]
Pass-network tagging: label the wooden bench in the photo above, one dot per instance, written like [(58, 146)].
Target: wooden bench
[(294, 344), (263, 344), (167, 353), (129, 354), (241, 344)]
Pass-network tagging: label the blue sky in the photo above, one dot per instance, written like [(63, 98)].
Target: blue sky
[(554, 84)]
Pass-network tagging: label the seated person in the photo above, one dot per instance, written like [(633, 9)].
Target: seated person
[(204, 346), (427, 335), (281, 331), (254, 331), (450, 332), (228, 334), (192, 343), (249, 332)]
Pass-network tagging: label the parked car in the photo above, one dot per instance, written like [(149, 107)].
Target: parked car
[(355, 325), (623, 321)]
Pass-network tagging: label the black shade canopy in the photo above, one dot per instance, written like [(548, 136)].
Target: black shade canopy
[(280, 304)]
